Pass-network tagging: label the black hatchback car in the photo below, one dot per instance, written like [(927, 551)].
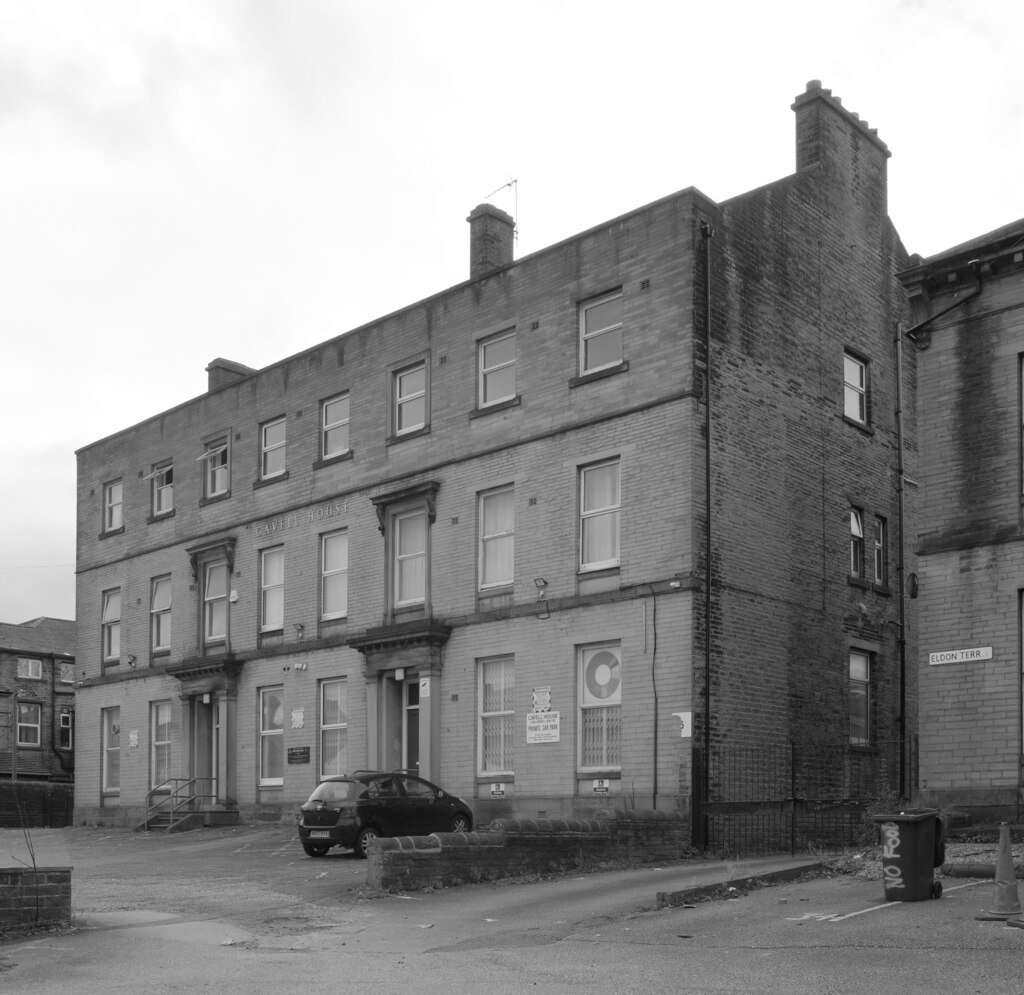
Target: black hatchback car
[(350, 810)]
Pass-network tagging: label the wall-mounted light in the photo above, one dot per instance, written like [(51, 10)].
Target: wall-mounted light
[(541, 584), (131, 659), (299, 629)]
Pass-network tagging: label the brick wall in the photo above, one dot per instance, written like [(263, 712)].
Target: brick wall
[(804, 269), (514, 848), (971, 555), (28, 897)]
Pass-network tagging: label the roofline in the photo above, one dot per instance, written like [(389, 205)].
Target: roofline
[(691, 192)]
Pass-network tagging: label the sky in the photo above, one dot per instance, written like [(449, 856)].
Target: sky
[(182, 180)]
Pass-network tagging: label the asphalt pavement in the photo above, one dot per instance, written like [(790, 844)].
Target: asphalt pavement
[(242, 909)]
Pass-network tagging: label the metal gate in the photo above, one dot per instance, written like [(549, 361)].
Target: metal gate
[(774, 798)]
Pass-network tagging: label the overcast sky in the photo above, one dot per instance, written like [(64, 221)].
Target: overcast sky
[(187, 179)]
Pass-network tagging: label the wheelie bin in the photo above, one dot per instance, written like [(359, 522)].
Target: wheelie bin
[(913, 845)]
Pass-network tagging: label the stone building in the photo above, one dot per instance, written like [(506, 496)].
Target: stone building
[(37, 700), (558, 537), (967, 328)]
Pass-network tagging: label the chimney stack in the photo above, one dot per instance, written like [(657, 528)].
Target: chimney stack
[(490, 240), (222, 373)]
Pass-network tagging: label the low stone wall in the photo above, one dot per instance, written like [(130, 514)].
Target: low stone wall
[(30, 896), (515, 848)]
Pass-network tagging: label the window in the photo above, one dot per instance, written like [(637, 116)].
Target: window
[(881, 557), (333, 727), (600, 680), (601, 333), (162, 482), (67, 673), (29, 669), (113, 506), (66, 731), (410, 399), (405, 517), (159, 743), (334, 582), (160, 614), (855, 389), (599, 516), (497, 715), (497, 537), (29, 723), (110, 719), (272, 448), (111, 626), (856, 542), (497, 363), (215, 603), (335, 419), (860, 698), (272, 736), (272, 589), (410, 565), (216, 477)]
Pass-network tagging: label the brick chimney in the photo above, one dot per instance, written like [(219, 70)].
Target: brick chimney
[(490, 240), (837, 140), (223, 372)]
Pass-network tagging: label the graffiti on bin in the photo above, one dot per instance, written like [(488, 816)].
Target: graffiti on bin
[(890, 847)]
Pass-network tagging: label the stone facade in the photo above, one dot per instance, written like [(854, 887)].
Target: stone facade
[(555, 405), (968, 332)]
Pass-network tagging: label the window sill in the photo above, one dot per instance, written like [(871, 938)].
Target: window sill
[(203, 502), (859, 582), (267, 481), (496, 777), (331, 460), (112, 532), (603, 374), (859, 425), (882, 589), (600, 773), (156, 655), (414, 434), (490, 409), (163, 516)]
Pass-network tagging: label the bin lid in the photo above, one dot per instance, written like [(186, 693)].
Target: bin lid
[(907, 815)]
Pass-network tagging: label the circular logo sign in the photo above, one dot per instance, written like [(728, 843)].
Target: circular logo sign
[(602, 675)]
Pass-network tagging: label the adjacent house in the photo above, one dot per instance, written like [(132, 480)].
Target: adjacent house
[(967, 330), (37, 721), (616, 524)]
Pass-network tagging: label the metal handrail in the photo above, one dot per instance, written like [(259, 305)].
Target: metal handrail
[(178, 794)]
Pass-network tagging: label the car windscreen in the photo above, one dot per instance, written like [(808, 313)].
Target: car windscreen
[(332, 792)]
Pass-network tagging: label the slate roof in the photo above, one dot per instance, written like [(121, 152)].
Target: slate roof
[(40, 636)]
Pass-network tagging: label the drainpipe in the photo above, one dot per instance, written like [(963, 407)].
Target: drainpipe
[(901, 567), (707, 232)]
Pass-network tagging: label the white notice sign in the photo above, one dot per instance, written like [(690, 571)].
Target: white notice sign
[(960, 656), (542, 727)]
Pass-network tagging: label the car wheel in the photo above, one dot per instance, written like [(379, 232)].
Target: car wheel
[(315, 850), (363, 839), (461, 824)]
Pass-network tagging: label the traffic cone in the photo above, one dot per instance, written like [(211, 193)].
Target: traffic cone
[(1007, 902)]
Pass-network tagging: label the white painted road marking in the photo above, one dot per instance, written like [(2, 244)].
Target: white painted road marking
[(835, 917)]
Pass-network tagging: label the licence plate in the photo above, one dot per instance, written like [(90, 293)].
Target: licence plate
[(319, 834)]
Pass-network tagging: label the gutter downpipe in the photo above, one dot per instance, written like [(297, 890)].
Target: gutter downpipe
[(911, 333), (901, 567), (707, 232)]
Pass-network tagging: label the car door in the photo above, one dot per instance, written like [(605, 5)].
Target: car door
[(425, 813), (383, 806)]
